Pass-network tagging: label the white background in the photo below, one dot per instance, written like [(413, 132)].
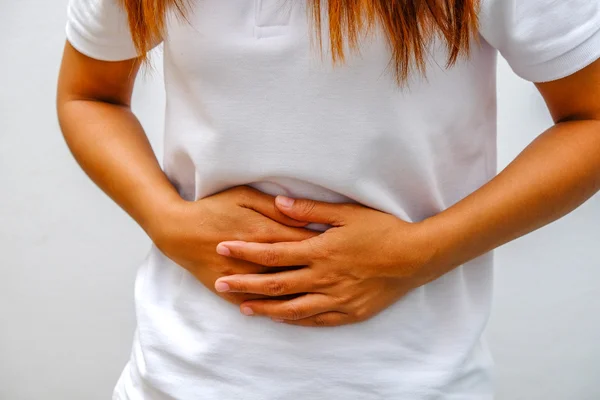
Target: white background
[(68, 255)]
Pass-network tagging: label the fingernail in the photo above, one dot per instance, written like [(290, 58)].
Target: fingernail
[(247, 311), (276, 319), (222, 287), (223, 250), (285, 202)]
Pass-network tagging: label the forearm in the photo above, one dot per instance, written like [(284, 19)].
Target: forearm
[(554, 175), (110, 145)]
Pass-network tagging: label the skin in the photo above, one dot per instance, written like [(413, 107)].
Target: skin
[(93, 101), (369, 259)]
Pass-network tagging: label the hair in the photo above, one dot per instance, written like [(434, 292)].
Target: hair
[(410, 26)]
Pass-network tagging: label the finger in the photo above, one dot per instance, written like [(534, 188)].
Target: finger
[(281, 254), (274, 285), (276, 232), (289, 310), (331, 318), (233, 266), (263, 203), (313, 211)]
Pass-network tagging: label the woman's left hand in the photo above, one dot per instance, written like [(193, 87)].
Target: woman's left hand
[(363, 264)]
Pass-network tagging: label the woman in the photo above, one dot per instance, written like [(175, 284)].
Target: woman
[(369, 276)]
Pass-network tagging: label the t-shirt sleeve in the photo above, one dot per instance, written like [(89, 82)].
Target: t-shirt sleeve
[(543, 40), (99, 29)]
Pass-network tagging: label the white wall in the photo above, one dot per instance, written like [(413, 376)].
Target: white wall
[(68, 255)]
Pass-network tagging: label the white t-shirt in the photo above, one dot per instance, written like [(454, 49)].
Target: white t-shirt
[(250, 101)]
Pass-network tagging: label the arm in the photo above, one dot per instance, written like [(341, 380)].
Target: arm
[(110, 145), (555, 174), (107, 140), (369, 259)]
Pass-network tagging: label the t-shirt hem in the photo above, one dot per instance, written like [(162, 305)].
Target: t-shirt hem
[(131, 387), (564, 65)]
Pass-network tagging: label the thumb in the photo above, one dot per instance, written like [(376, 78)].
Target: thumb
[(312, 211)]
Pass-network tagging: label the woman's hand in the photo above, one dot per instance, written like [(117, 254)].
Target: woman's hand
[(189, 232), (363, 264)]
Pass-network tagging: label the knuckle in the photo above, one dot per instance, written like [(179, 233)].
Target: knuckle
[(320, 320), (269, 258), (361, 314), (293, 313), (345, 299), (275, 288), (307, 207), (328, 280)]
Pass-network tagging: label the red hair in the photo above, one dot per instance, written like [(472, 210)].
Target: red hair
[(409, 25)]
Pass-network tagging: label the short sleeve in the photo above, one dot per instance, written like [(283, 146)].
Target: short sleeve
[(99, 29), (543, 40)]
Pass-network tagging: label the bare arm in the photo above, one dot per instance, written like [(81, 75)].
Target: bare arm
[(369, 259), (555, 174), (110, 145), (107, 140)]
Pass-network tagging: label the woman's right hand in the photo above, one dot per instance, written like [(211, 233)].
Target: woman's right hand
[(188, 233)]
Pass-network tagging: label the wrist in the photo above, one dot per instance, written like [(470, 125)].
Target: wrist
[(160, 213), (444, 237), (415, 250)]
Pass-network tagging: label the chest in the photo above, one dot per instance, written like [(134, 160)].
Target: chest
[(259, 60)]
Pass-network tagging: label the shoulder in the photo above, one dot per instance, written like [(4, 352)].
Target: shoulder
[(543, 39), (99, 29)]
